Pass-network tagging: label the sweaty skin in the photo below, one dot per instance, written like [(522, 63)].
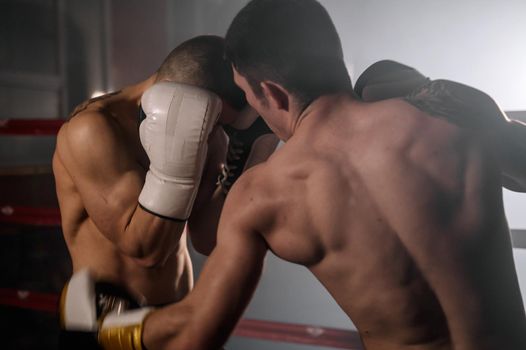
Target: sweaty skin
[(100, 167), (397, 213)]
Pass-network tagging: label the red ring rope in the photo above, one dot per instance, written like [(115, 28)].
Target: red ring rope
[(29, 216), (29, 300), (249, 328), (30, 126), (299, 334)]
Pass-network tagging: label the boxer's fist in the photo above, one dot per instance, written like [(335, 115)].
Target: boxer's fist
[(179, 119)]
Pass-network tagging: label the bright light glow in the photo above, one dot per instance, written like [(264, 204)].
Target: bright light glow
[(97, 93)]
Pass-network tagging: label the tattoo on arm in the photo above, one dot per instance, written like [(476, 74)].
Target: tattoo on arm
[(460, 104), (81, 107), (435, 98)]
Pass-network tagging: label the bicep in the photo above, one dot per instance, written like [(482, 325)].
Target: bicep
[(103, 171)]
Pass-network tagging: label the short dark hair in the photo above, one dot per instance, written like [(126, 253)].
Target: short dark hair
[(291, 42), (201, 62)]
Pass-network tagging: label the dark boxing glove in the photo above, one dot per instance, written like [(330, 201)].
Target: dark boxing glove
[(387, 79), (240, 146), (458, 103)]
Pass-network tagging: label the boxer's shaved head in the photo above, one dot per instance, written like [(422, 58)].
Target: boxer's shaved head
[(200, 62)]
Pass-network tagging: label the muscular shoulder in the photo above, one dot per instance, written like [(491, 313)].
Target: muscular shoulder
[(85, 128), (88, 138), (252, 200), (406, 140), (90, 119)]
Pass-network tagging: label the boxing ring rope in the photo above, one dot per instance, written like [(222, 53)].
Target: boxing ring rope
[(248, 328), (30, 127), (50, 217), (23, 214), (25, 299), (29, 215), (299, 334)]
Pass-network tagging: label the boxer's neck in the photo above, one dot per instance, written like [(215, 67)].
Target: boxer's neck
[(125, 103), (321, 106), (133, 93)]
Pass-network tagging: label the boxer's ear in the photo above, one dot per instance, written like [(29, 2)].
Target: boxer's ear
[(276, 95)]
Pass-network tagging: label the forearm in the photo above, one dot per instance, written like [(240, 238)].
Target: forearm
[(205, 319), (172, 328), (148, 238), (202, 225), (166, 328), (207, 316), (263, 148)]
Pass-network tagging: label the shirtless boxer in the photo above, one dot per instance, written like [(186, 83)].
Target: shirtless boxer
[(397, 212), (114, 224)]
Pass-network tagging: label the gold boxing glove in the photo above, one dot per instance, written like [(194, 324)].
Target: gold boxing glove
[(123, 331)]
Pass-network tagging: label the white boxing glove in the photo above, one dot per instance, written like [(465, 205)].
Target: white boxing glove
[(78, 304), (179, 119)]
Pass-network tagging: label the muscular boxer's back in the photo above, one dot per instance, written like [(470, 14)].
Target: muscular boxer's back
[(400, 216), (88, 247)]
